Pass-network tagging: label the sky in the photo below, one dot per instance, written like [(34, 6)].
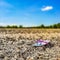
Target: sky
[(29, 12)]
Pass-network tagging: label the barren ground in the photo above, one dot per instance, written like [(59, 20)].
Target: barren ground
[(16, 44)]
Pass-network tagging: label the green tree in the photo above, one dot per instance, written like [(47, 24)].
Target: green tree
[(8, 26), (14, 26), (55, 26), (20, 26), (42, 26), (58, 25)]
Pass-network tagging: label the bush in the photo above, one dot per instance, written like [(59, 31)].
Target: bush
[(8, 26), (20, 26), (13, 26), (42, 26)]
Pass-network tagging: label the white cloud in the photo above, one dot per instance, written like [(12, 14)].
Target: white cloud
[(47, 8)]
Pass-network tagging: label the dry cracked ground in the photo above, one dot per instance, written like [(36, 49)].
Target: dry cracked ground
[(16, 44)]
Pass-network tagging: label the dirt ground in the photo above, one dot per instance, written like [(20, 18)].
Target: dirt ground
[(16, 44)]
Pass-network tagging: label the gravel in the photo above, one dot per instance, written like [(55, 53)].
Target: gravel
[(13, 47)]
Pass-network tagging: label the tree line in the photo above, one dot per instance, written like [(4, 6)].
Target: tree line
[(40, 26), (50, 26)]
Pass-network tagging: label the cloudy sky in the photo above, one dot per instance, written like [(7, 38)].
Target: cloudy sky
[(29, 12)]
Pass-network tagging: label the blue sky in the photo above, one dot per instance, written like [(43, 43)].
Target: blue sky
[(29, 12)]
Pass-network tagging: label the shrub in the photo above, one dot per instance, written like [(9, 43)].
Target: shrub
[(20, 26)]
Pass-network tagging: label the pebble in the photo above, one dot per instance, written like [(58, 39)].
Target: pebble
[(22, 49)]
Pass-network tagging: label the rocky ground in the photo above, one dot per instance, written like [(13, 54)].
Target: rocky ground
[(17, 45)]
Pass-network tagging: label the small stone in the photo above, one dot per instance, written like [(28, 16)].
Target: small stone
[(30, 58), (6, 58), (23, 49), (46, 58), (20, 58), (13, 59), (1, 55), (21, 42), (53, 59)]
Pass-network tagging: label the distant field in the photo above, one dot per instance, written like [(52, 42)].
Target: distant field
[(31, 33), (28, 30)]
